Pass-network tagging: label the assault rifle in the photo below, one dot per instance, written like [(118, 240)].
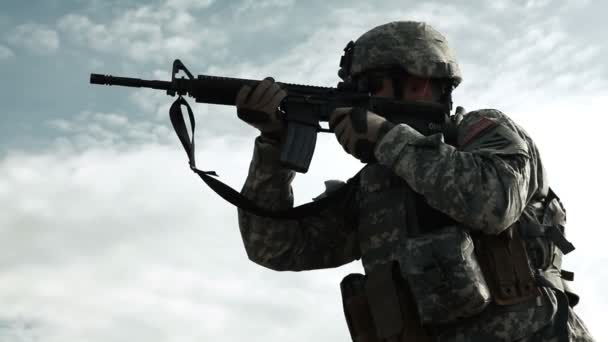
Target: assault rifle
[(304, 106)]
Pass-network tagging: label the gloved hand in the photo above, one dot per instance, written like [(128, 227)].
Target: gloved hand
[(259, 107), (450, 131), (358, 131)]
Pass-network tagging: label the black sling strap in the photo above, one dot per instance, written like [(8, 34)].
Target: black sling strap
[(234, 197)]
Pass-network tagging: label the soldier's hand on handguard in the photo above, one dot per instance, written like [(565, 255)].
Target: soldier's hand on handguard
[(259, 107), (358, 131)]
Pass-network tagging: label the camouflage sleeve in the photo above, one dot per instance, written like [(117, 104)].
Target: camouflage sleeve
[(322, 241), (482, 184)]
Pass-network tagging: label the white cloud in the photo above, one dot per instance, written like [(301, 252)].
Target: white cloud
[(145, 251), (181, 22), (61, 124), (536, 4), (263, 15), (150, 33), (83, 31), (18, 329), (92, 129), (6, 53), (539, 61), (189, 4), (37, 38), (249, 6)]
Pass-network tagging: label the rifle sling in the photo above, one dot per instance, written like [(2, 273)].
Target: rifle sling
[(233, 196)]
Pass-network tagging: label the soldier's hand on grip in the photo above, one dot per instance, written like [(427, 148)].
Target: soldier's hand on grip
[(358, 130), (259, 107)]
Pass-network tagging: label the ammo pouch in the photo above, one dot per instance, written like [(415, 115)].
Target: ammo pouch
[(356, 309), (504, 260), (444, 275), (379, 307)]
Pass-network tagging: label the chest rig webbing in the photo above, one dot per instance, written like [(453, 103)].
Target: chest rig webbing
[(388, 211), (527, 253)]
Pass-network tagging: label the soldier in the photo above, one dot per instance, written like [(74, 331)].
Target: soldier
[(459, 234)]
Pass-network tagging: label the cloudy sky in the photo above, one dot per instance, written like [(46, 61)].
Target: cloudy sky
[(107, 236)]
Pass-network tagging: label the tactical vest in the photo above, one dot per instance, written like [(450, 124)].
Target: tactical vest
[(512, 264)]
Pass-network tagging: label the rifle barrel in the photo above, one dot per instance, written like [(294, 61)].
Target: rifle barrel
[(129, 82)]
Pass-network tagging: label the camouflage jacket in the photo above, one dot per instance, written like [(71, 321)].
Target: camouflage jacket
[(484, 184)]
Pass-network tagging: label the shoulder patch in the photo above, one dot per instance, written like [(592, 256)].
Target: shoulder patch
[(477, 128), (498, 140)]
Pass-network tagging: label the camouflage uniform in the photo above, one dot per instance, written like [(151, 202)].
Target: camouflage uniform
[(489, 178)]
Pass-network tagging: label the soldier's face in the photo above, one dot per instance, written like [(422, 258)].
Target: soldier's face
[(414, 89)]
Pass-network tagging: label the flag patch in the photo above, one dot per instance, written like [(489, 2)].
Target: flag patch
[(478, 127)]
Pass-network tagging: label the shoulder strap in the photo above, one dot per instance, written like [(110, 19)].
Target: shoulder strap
[(554, 232), (233, 196)]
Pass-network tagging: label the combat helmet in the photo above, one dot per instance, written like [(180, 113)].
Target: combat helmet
[(414, 47)]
